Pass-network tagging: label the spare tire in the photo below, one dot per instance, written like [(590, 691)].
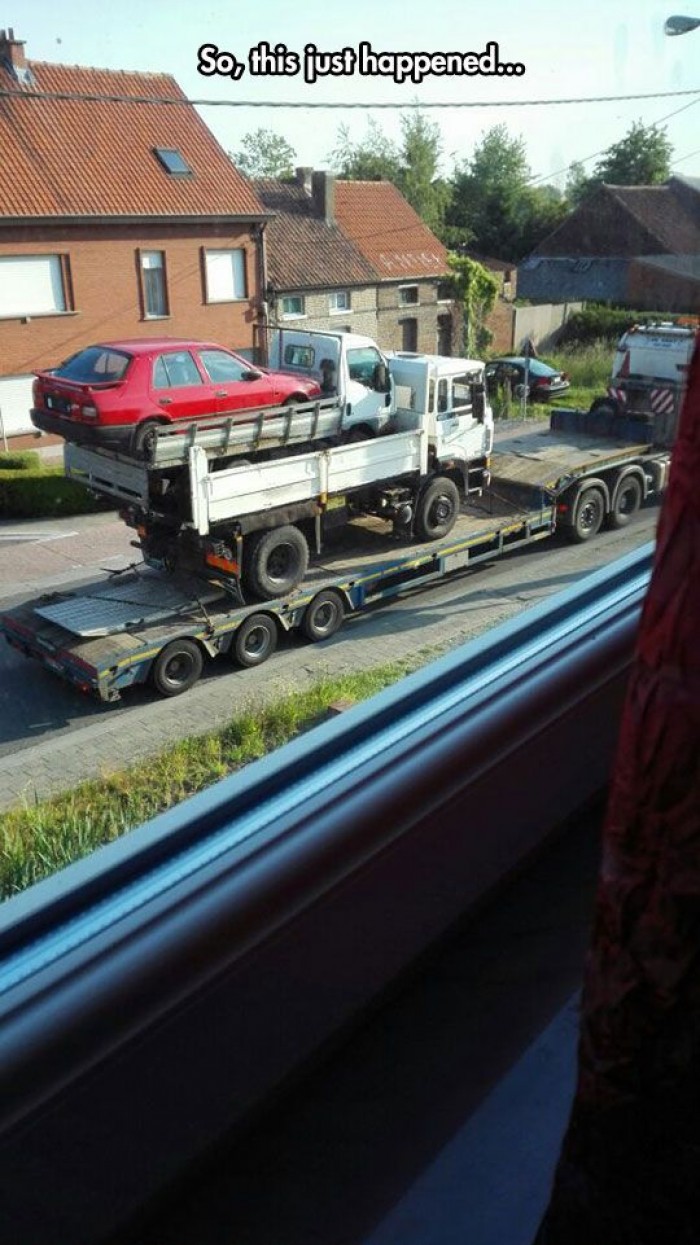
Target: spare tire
[(274, 561)]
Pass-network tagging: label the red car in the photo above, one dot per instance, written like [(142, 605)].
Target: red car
[(114, 393)]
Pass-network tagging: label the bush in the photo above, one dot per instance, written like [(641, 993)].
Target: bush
[(599, 323), (29, 491)]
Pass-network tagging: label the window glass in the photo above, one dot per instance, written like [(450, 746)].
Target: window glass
[(293, 305), (462, 391), (221, 366), (339, 301), (95, 364), (361, 364), (174, 370), (155, 302), (225, 275), (173, 161), (408, 295), (299, 356)]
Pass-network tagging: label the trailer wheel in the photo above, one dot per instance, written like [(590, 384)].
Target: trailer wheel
[(275, 561), (323, 617), (437, 509), (144, 438), (628, 499), (177, 667), (255, 640), (590, 512)]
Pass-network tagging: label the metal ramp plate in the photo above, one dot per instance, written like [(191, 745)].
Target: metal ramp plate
[(106, 609)]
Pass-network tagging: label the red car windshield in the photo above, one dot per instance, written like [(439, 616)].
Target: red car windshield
[(95, 365)]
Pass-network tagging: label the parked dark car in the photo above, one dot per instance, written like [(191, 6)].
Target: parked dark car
[(543, 381), (115, 393)]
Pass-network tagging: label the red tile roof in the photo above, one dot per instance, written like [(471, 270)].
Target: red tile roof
[(388, 232), (303, 250), (74, 158)]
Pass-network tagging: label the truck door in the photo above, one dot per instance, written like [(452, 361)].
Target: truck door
[(368, 388)]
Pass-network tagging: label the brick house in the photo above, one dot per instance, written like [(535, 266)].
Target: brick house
[(637, 246), (414, 311), (117, 219), (316, 276), (355, 256)]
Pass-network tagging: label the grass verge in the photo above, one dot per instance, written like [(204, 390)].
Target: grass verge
[(37, 840)]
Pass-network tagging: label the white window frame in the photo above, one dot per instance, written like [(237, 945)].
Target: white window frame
[(225, 276), (336, 308), (293, 315), (34, 285)]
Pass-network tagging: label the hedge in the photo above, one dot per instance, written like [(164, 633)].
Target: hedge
[(29, 490), (598, 322)]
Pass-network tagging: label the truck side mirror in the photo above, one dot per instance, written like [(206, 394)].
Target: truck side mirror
[(380, 378), (478, 402)]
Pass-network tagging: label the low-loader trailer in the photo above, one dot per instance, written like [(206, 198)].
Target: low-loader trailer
[(161, 621)]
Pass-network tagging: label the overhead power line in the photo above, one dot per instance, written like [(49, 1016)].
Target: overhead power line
[(98, 98)]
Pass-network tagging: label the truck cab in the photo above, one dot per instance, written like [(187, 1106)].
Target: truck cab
[(453, 394), (348, 365)]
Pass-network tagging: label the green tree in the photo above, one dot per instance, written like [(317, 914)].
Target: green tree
[(412, 165), (489, 199), (372, 158), (264, 153), (641, 158)]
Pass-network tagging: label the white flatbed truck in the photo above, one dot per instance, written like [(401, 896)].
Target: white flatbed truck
[(153, 624)]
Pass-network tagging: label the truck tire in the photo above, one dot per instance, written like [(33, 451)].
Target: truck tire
[(437, 509), (588, 519), (323, 617), (177, 667), (628, 499), (606, 406), (275, 561), (144, 437), (255, 640), (360, 432)]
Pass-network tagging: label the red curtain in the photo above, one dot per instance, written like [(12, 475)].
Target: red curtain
[(629, 1170)]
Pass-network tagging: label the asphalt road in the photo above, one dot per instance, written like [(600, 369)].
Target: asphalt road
[(52, 736)]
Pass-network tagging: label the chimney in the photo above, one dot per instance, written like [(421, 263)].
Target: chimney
[(323, 187), (12, 52), (304, 176)]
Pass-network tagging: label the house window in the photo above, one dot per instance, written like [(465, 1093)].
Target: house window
[(293, 305), (34, 285), (338, 302), (225, 275), (444, 292), (173, 161), (154, 292), (408, 295)]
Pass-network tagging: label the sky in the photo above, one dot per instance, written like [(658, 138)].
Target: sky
[(561, 50)]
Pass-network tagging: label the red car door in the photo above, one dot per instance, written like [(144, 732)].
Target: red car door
[(179, 388), (232, 387)]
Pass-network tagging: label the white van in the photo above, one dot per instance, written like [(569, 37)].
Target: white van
[(650, 368)]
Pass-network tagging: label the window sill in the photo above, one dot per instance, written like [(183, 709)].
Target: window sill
[(28, 316), (295, 316), (346, 312), (166, 316)]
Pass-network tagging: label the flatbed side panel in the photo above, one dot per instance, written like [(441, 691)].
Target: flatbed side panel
[(107, 473), (248, 431), (258, 488)]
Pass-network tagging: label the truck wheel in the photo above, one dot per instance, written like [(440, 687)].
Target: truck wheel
[(275, 562), (437, 510), (606, 406), (323, 617), (628, 499), (361, 432), (144, 438), (177, 667), (590, 512), (255, 640)]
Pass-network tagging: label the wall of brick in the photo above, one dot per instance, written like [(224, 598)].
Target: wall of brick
[(106, 291), (391, 314)]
